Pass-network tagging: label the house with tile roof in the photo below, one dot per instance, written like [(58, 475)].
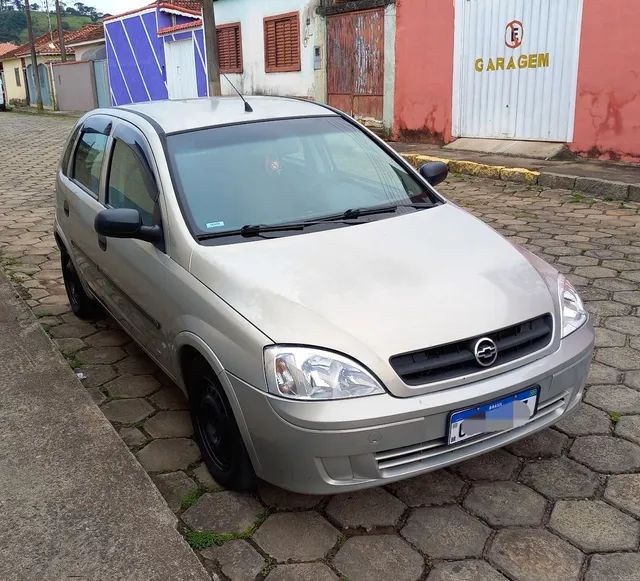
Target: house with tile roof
[(85, 44), (158, 51), (19, 73)]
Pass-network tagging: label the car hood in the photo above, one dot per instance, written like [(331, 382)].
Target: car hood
[(379, 289)]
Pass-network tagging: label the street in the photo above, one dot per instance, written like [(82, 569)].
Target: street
[(563, 504)]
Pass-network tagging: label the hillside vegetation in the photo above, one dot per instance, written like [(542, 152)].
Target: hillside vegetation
[(13, 24)]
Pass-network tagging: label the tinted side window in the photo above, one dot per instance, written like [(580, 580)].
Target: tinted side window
[(68, 151), (130, 183), (87, 163)]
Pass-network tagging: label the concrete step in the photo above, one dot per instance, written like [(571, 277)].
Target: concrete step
[(532, 149), (600, 179)]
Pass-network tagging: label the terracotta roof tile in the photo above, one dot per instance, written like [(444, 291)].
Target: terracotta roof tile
[(45, 46), (178, 27), (134, 11), (193, 7), (6, 47), (190, 7), (85, 34), (48, 46)]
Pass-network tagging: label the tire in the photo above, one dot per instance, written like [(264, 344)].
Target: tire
[(216, 431), (82, 305)]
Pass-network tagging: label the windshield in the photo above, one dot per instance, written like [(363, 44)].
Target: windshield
[(287, 170)]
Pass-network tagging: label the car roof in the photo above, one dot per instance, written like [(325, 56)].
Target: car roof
[(189, 114)]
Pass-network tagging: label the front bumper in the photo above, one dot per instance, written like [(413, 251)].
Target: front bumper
[(338, 446)]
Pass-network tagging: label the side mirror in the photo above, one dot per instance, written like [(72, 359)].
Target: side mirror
[(125, 223), (434, 172)]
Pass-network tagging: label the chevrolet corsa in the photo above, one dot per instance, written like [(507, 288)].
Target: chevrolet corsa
[(335, 322)]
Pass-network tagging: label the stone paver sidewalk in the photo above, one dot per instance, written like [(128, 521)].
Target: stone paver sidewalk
[(563, 504), (74, 503)]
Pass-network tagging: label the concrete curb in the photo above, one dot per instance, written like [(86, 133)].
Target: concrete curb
[(48, 112), (596, 187)]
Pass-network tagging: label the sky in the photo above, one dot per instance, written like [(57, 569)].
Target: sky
[(116, 6)]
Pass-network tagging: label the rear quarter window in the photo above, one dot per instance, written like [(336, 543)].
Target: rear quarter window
[(87, 163), (66, 156)]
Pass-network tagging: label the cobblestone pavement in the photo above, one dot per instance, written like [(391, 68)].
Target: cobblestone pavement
[(563, 504)]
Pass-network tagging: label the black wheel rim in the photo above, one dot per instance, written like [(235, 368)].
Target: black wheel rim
[(214, 426), (71, 283)]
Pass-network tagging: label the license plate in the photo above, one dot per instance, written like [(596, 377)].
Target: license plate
[(500, 415)]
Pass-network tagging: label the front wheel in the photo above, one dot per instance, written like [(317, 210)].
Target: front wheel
[(82, 305), (216, 431)]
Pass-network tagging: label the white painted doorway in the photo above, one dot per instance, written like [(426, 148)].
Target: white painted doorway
[(516, 68), (181, 69)]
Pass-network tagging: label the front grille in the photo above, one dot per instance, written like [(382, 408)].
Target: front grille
[(436, 452), (457, 359)]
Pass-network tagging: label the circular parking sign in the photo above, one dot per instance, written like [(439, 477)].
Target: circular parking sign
[(513, 34)]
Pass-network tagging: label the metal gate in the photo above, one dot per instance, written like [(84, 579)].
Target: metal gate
[(45, 85), (102, 83), (516, 68), (74, 86), (181, 69), (355, 62)]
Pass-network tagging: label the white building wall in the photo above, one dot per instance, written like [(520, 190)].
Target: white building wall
[(81, 50), (254, 80)]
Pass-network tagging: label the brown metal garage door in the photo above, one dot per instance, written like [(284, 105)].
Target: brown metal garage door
[(355, 62)]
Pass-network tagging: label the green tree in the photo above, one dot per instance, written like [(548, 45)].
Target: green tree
[(12, 23)]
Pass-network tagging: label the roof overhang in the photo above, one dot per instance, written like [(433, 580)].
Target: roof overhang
[(87, 42), (178, 11), (125, 15), (195, 25)]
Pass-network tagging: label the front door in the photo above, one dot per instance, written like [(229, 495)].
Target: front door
[(516, 69), (355, 63), (181, 69)]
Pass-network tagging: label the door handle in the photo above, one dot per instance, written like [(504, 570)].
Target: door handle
[(102, 242), (65, 207)]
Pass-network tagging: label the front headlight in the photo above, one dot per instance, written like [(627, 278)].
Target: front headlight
[(574, 314), (314, 374)]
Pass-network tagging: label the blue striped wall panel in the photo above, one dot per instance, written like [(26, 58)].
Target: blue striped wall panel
[(136, 60)]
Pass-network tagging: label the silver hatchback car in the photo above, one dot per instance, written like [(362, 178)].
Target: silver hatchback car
[(335, 322)]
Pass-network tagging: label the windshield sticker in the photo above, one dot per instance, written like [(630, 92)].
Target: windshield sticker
[(210, 225)]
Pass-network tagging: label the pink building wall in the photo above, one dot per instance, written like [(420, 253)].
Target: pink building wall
[(424, 70), (608, 98), (607, 121)]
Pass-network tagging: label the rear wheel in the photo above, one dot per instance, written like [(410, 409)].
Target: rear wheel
[(82, 305), (216, 430)]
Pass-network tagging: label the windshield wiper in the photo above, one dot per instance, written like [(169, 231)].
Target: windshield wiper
[(251, 230), (354, 213)]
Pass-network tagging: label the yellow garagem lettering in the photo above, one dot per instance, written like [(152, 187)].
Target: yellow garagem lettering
[(524, 61)]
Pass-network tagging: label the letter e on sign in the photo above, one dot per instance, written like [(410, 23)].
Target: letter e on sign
[(514, 34)]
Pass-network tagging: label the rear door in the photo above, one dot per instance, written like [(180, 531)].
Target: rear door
[(79, 188)]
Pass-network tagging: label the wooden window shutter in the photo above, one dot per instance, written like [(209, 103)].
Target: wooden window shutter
[(229, 48), (282, 43)]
